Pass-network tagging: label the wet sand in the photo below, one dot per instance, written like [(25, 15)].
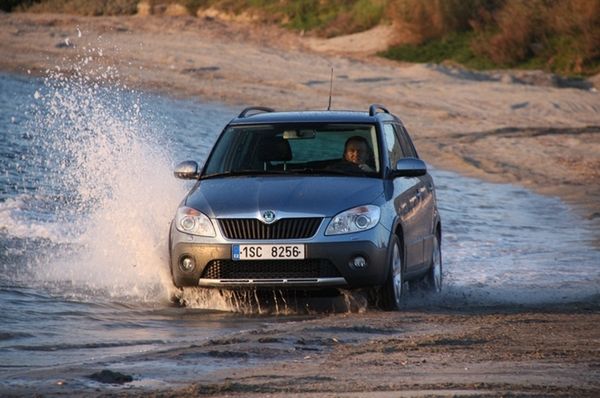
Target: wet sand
[(492, 126), (423, 350)]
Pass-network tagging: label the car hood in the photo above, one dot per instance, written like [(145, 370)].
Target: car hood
[(248, 196)]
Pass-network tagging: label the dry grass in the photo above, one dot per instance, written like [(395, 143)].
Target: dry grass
[(560, 36), (565, 34), (420, 21)]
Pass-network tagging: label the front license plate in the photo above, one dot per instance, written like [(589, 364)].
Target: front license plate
[(267, 252)]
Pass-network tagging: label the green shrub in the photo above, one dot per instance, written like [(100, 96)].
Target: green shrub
[(453, 47)]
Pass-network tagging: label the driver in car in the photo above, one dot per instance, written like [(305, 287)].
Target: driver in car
[(356, 151)]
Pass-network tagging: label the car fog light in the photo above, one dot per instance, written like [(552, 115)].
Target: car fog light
[(187, 264), (359, 262)]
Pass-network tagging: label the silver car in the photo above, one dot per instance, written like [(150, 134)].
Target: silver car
[(309, 200)]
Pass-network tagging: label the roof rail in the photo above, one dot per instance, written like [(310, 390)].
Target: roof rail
[(244, 113), (374, 107)]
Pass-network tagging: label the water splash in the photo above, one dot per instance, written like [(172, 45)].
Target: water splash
[(273, 302), (243, 301), (109, 169)]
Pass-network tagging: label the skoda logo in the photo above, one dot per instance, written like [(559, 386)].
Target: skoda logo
[(268, 217)]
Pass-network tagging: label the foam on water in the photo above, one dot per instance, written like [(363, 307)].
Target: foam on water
[(13, 215), (111, 172)]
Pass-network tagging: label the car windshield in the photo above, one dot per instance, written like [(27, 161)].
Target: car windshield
[(349, 149)]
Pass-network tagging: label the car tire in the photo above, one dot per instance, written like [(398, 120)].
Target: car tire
[(390, 294), (434, 277)]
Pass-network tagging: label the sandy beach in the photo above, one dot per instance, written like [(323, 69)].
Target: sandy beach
[(519, 127)]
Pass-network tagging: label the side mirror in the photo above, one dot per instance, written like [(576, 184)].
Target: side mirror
[(409, 167), (187, 170)]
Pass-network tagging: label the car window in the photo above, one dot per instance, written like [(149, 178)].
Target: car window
[(407, 146), (394, 148), (289, 147), (325, 145), (235, 150)]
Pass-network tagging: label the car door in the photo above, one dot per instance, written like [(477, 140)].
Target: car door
[(405, 201), (424, 197)]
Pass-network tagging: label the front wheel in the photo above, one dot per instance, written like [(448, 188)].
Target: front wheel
[(434, 275), (394, 288)]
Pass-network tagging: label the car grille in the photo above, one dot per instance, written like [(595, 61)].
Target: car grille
[(270, 269), (286, 228)]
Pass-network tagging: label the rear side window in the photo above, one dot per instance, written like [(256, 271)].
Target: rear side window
[(407, 146), (392, 143)]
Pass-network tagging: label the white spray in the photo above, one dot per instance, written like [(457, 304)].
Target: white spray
[(115, 179)]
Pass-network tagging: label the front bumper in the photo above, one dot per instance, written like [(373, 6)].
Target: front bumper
[(289, 283), (327, 264)]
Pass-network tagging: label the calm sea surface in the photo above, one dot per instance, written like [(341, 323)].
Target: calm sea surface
[(87, 194)]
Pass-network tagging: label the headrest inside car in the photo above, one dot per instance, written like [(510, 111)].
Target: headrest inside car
[(275, 149)]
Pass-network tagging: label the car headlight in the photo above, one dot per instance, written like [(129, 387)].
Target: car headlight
[(354, 220), (191, 221)]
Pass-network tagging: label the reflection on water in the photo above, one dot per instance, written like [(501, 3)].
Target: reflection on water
[(504, 244), (51, 331), (87, 194)]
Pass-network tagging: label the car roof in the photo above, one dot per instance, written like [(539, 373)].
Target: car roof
[(267, 115)]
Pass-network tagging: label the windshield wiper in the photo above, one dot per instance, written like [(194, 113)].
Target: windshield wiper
[(306, 170), (236, 173), (309, 170)]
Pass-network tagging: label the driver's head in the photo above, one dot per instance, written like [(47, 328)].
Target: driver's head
[(356, 150)]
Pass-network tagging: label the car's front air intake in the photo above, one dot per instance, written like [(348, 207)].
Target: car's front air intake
[(270, 269), (286, 228)]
